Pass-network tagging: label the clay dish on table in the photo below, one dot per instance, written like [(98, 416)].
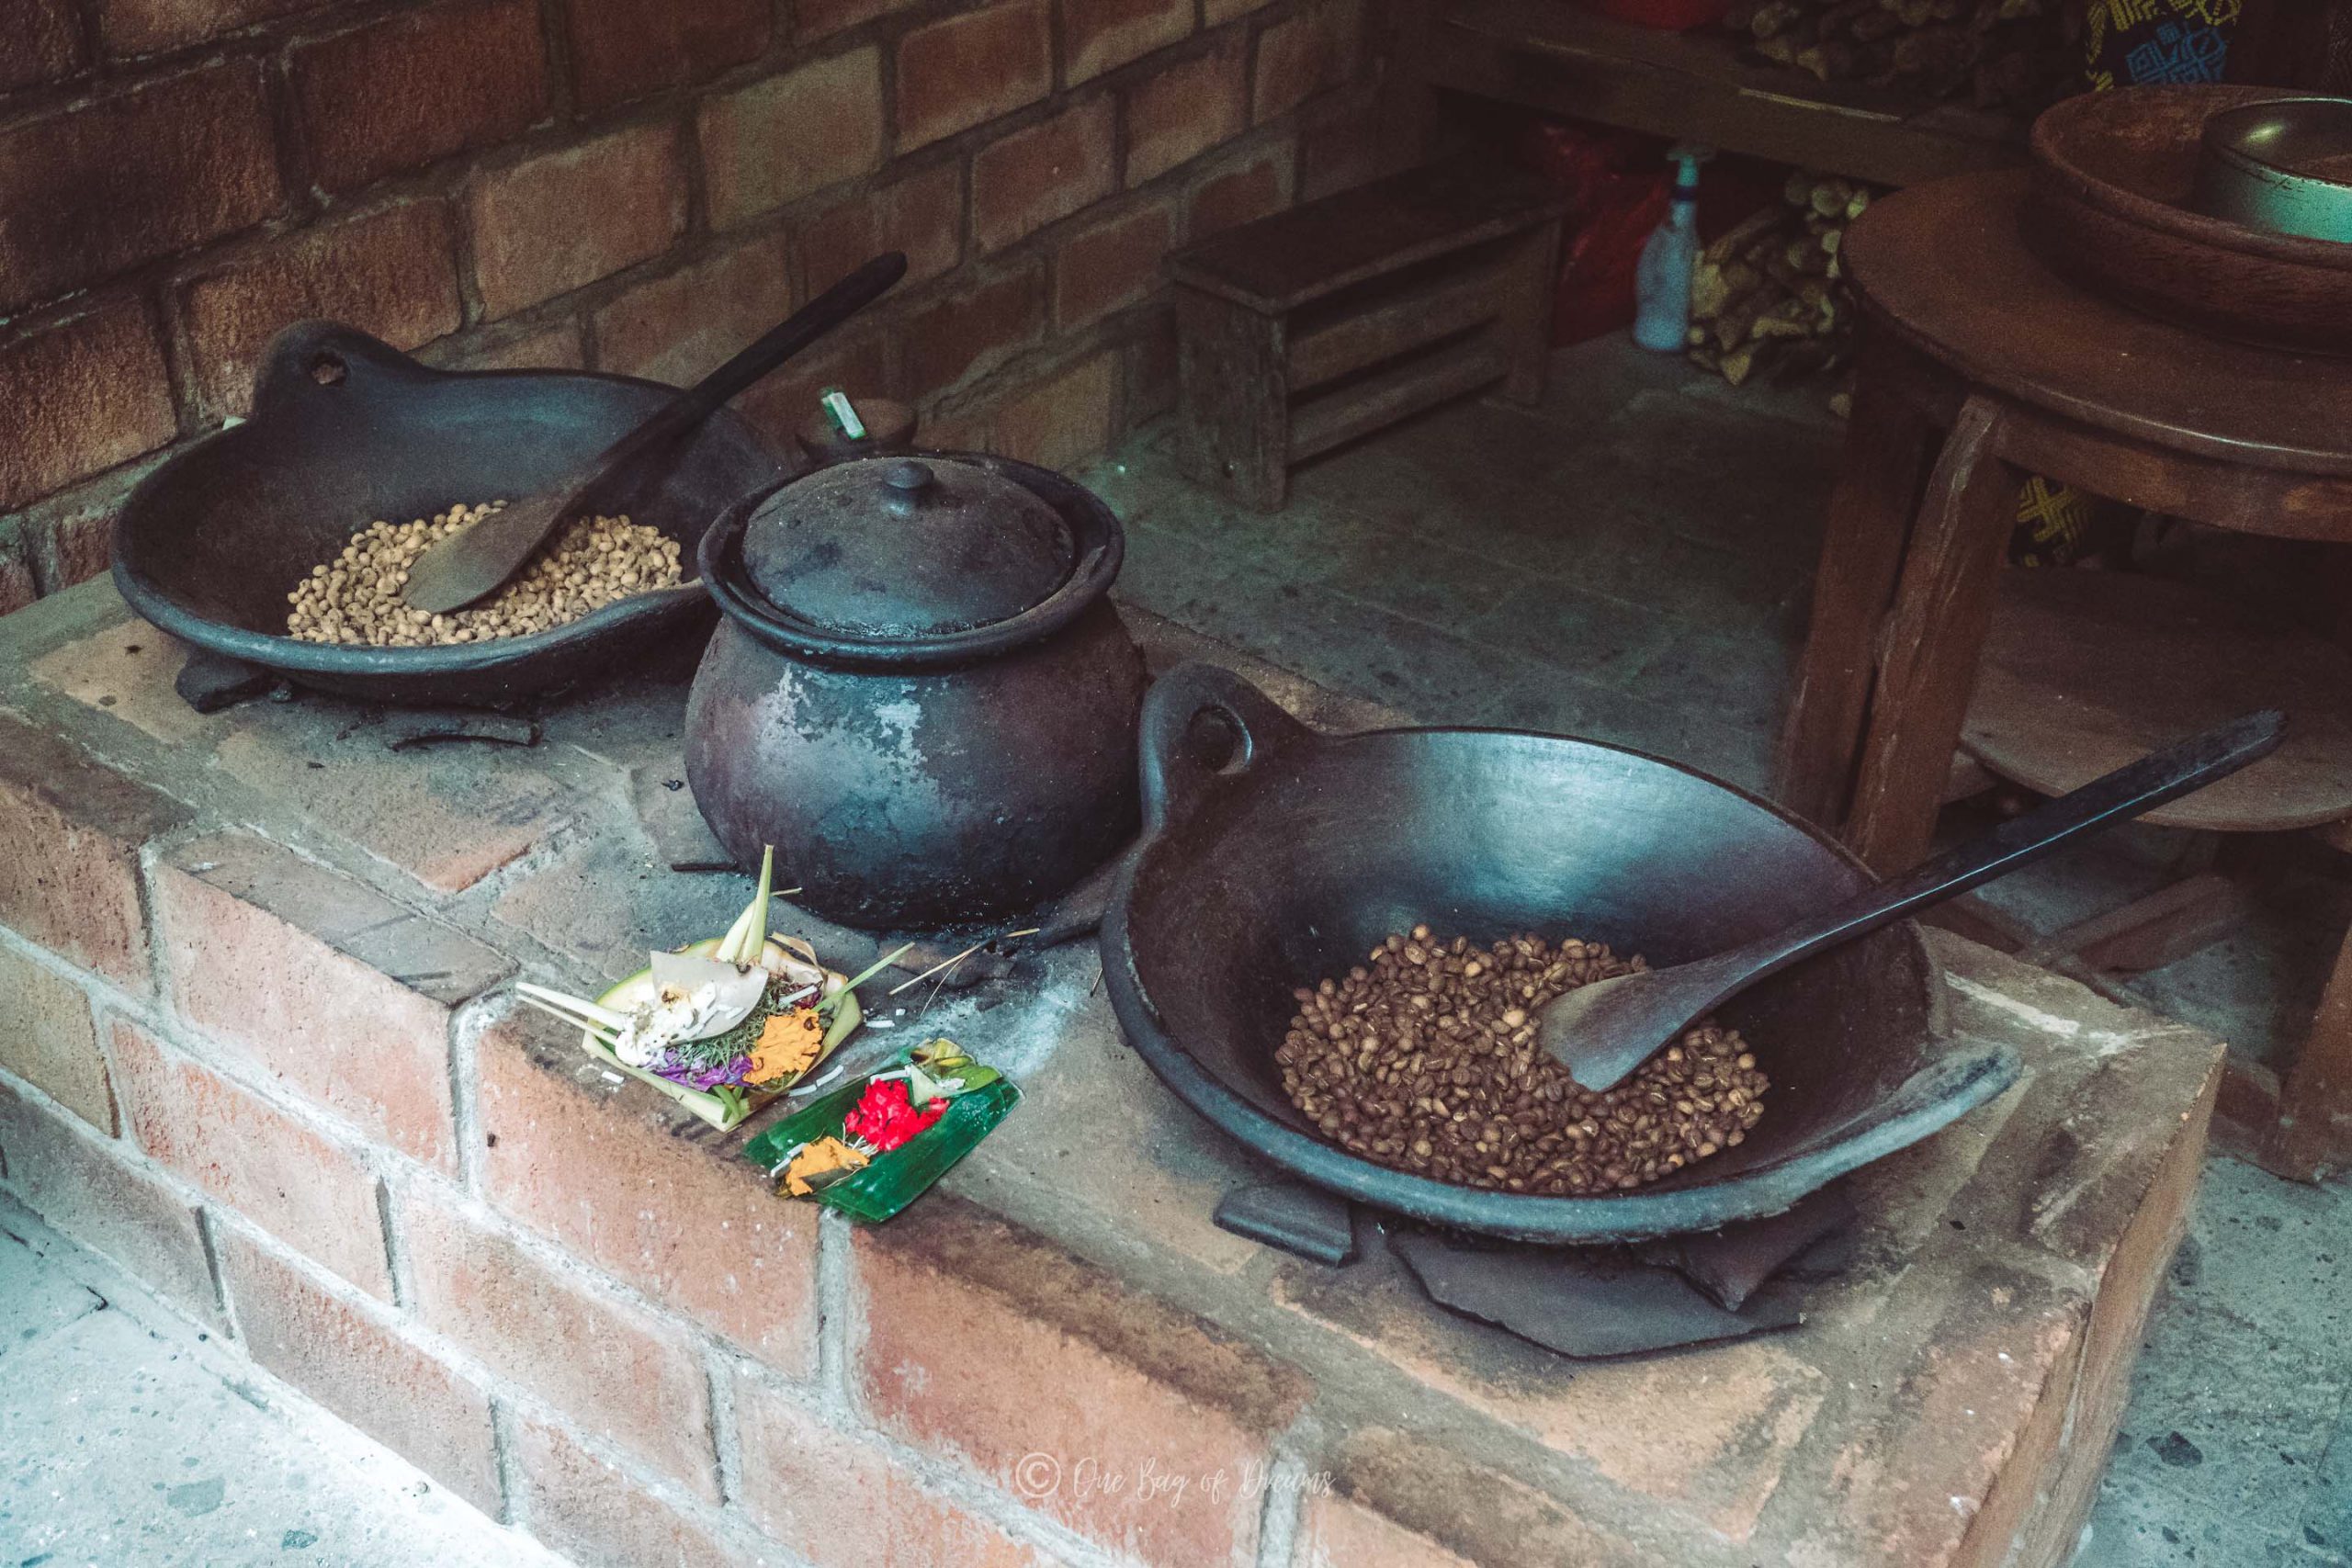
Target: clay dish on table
[(2113, 174)]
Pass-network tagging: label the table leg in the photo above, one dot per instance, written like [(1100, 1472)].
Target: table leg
[(1928, 652), (1887, 446), (2315, 1102)]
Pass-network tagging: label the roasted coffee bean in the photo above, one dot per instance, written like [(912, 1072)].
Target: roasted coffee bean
[(1424, 1058)]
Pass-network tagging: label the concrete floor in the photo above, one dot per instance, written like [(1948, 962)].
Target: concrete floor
[(1630, 561), (130, 1439)]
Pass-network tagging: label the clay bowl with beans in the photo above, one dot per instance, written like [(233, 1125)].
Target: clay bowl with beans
[(1275, 859), (346, 433)]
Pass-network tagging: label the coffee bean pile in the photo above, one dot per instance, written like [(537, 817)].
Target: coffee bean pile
[(592, 562), (1426, 1060)]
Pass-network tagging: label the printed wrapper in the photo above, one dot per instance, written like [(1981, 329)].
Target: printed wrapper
[(889, 1182)]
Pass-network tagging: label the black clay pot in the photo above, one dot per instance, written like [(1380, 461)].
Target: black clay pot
[(919, 694), (1279, 856)]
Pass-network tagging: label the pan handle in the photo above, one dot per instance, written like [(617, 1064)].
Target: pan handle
[(309, 362), (1177, 763)]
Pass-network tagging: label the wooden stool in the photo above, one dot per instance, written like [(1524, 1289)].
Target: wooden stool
[(1315, 326), (1970, 336)]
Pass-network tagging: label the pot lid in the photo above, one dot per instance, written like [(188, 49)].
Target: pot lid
[(905, 546)]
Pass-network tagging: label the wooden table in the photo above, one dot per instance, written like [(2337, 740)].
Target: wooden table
[(1980, 367), (1561, 57)]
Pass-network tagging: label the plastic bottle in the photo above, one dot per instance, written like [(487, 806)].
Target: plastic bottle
[(1662, 281)]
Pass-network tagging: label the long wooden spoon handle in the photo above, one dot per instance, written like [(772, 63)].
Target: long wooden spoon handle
[(804, 326), (2126, 792)]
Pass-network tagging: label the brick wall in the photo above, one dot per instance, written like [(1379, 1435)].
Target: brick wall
[(637, 185)]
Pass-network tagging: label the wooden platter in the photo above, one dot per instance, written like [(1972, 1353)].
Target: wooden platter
[(2084, 670), (2112, 174)]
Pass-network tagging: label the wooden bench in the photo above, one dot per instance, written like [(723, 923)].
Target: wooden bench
[(1310, 328)]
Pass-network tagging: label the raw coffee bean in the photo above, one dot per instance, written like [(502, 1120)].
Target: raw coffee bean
[(1425, 1059), (593, 563)]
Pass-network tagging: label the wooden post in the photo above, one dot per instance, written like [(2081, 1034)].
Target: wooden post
[(2315, 1102), (1931, 644), (1887, 443), (1233, 393), (1527, 315)]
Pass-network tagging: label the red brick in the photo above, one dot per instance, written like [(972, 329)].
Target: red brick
[(301, 970), (1336, 1533), (553, 347), (447, 816), (86, 394), (602, 1362), (82, 207), (301, 1186), (417, 86), (625, 49), (149, 27), (1394, 1499), (859, 364), (85, 1188), (1249, 191), (48, 1038), (973, 330), (956, 73), (44, 42), (1952, 1415), (531, 238), (1077, 1368), (1710, 1437), (79, 545), (792, 134), (613, 1172), (1185, 109), (392, 273), (1304, 53), (1031, 178), (838, 1500), (921, 214), (351, 1357), (595, 1515), (1062, 421), (69, 833), (963, 430), (677, 328), (1098, 35), (814, 19), (1111, 264)]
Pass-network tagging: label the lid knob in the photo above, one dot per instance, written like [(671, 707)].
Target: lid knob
[(906, 479)]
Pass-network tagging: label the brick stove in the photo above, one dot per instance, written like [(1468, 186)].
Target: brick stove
[(255, 1043)]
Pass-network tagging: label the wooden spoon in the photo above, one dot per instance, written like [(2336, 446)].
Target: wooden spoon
[(1603, 1030), (471, 563)]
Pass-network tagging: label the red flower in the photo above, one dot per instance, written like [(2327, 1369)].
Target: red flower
[(886, 1118)]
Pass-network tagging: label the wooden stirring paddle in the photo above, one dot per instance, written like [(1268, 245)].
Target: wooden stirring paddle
[(1603, 1030), (471, 564)]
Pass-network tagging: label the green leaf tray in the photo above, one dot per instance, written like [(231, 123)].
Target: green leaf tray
[(889, 1182)]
